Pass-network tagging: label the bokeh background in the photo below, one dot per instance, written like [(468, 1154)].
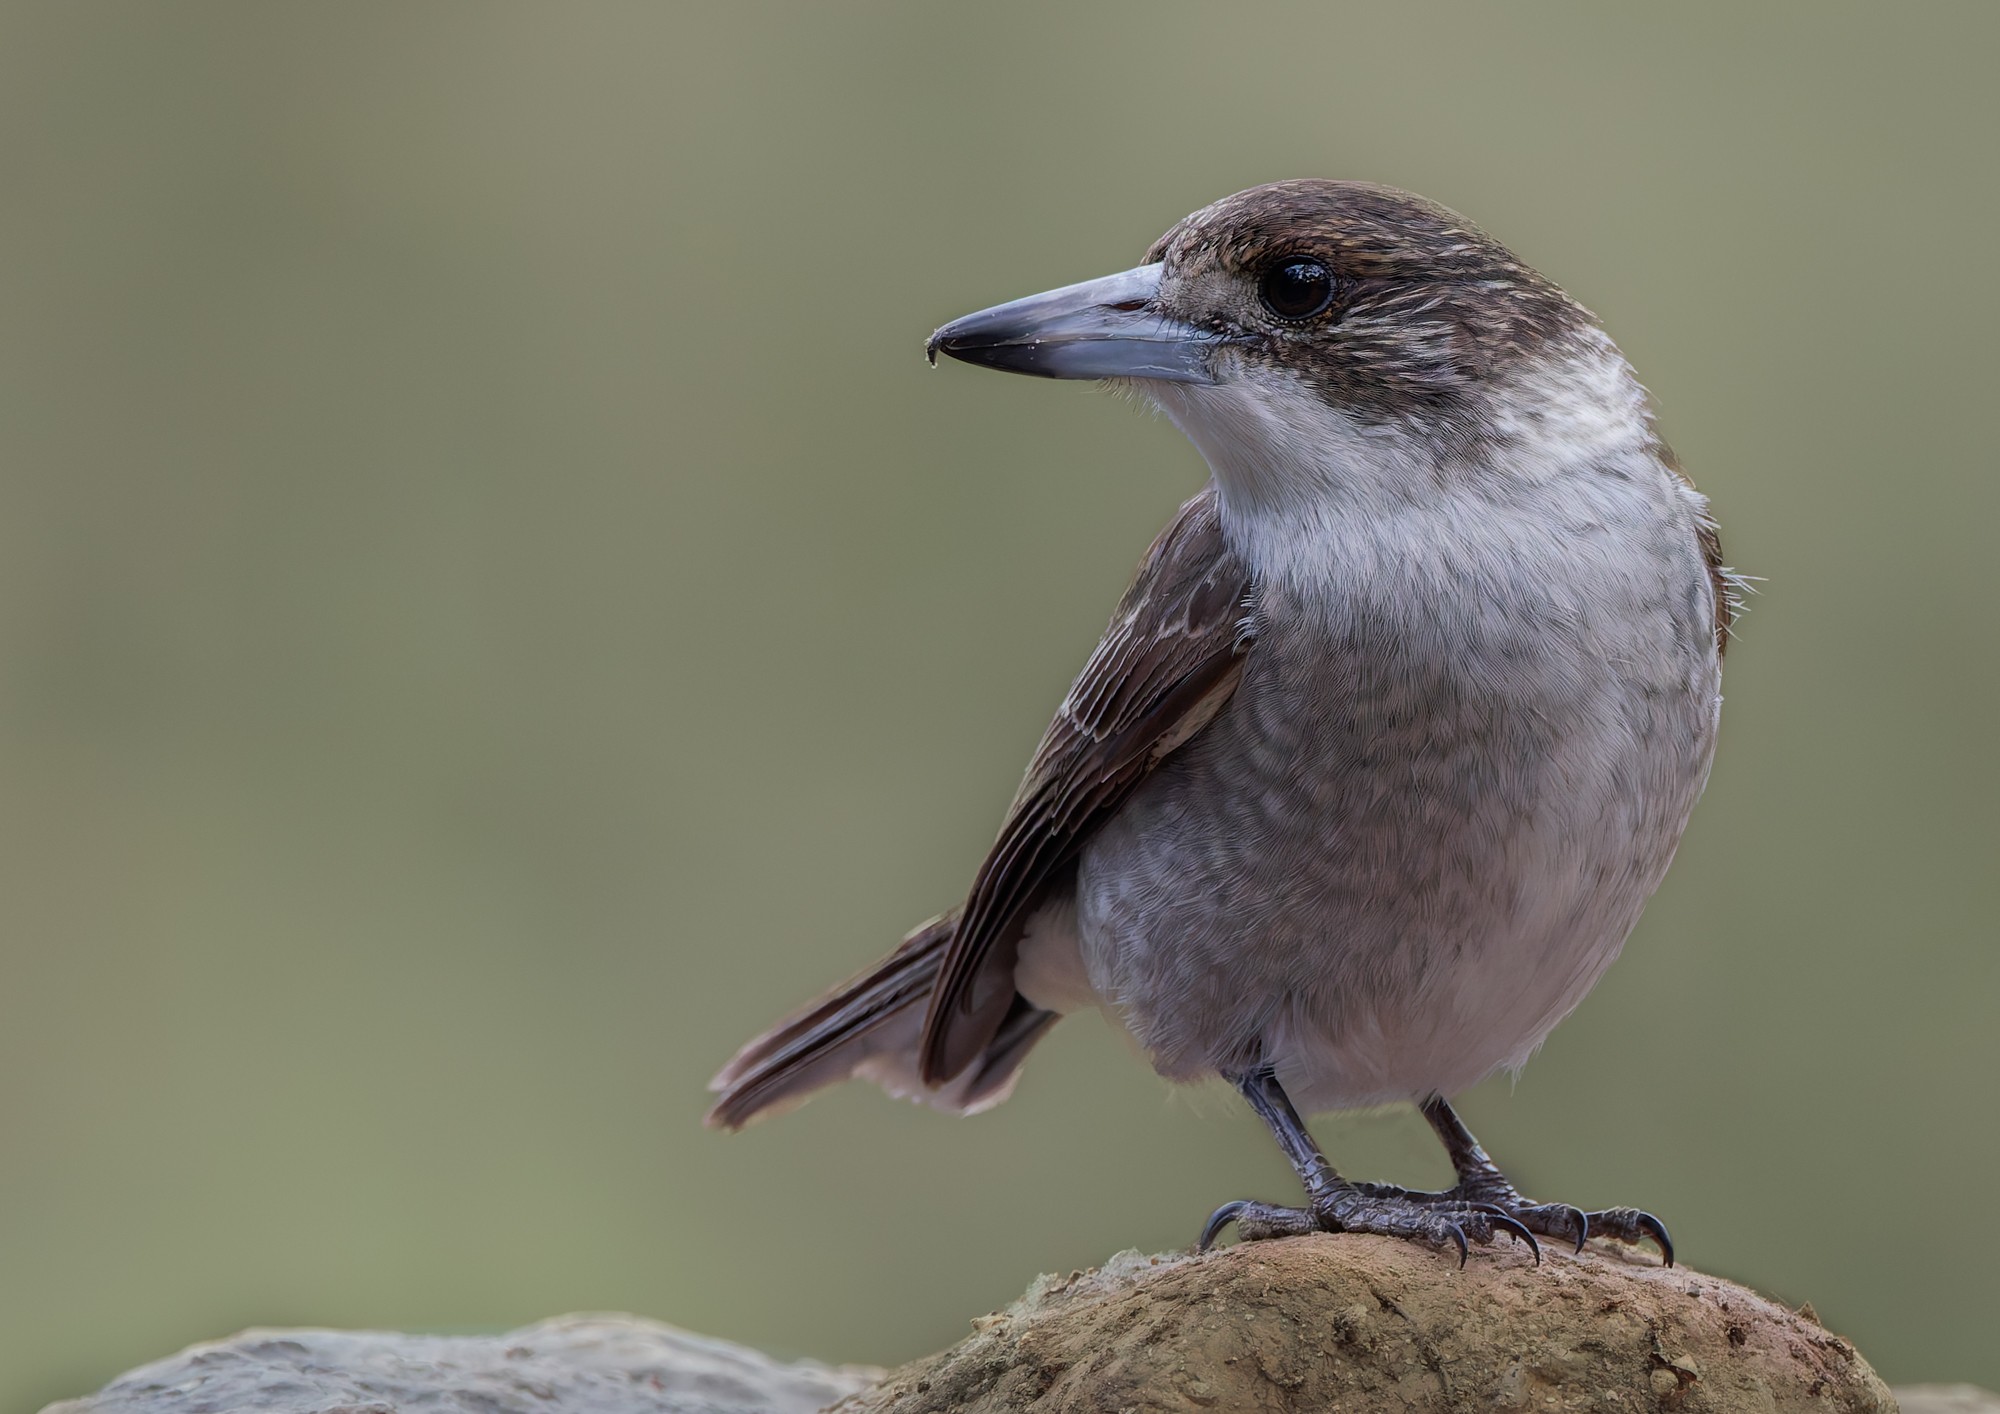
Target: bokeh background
[(494, 609)]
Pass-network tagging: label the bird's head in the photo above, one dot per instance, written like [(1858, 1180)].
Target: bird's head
[(1281, 323)]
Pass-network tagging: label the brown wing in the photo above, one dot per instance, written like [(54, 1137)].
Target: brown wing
[(1166, 665)]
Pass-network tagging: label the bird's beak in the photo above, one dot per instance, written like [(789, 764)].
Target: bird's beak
[(1105, 328)]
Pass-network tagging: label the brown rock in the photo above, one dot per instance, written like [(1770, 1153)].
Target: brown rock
[(1362, 1323)]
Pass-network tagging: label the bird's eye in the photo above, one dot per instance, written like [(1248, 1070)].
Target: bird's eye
[(1297, 288)]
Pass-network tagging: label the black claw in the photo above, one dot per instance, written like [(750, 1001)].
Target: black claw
[(1582, 1225), (1221, 1218), (1657, 1230), (1458, 1236), (1520, 1233)]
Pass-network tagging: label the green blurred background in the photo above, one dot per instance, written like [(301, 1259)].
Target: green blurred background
[(496, 609)]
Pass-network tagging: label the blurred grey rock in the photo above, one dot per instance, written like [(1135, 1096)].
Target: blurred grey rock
[(1947, 1399), (570, 1365)]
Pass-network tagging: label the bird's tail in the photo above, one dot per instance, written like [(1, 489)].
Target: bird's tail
[(870, 1026)]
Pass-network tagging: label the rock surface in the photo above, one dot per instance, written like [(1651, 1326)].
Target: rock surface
[(1947, 1399), (570, 1365), (1366, 1323), (1318, 1323)]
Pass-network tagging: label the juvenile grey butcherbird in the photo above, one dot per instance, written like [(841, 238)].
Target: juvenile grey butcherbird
[(1392, 736)]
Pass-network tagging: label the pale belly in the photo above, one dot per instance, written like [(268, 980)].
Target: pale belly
[(1390, 881)]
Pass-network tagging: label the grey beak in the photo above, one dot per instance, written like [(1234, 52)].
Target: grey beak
[(1105, 328)]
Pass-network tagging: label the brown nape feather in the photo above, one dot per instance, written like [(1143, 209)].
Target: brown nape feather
[(870, 1025)]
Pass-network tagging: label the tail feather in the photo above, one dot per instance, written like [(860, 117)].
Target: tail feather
[(871, 1026)]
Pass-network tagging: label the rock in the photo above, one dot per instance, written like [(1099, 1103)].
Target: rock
[(1316, 1323), (570, 1365), (1947, 1399), (1363, 1323)]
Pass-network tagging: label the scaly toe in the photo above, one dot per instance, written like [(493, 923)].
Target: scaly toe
[(1632, 1225), (1572, 1225), (1256, 1222)]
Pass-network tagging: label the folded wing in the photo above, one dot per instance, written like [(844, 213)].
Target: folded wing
[(1173, 653)]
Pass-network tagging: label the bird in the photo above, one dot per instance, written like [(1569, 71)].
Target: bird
[(1396, 729)]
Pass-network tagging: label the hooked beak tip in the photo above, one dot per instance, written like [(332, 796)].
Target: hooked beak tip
[(1105, 328)]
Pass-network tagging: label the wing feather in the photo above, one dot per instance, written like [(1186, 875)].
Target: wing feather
[(1166, 665)]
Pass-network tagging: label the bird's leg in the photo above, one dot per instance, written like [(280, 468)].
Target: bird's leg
[(1480, 1181), (1336, 1205)]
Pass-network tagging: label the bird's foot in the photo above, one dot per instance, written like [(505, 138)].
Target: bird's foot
[(1446, 1225), (1558, 1220)]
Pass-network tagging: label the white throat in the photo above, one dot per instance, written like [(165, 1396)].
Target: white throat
[(1299, 477)]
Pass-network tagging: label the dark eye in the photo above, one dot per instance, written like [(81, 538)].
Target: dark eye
[(1297, 288)]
